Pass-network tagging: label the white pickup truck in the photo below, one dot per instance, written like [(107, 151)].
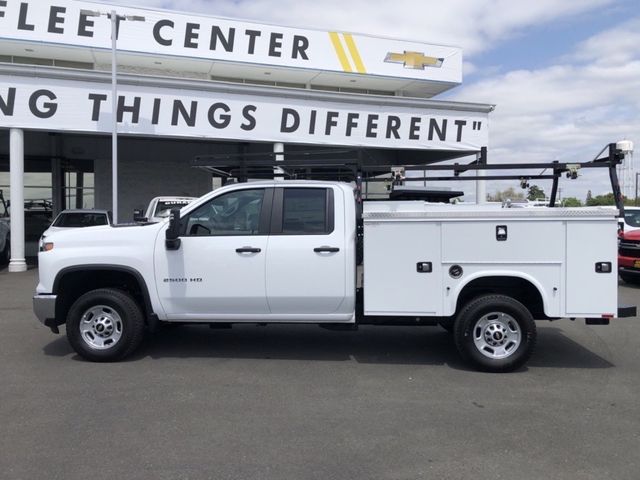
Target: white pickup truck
[(160, 207), (294, 252)]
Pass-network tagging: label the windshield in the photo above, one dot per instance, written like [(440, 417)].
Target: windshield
[(163, 208), (632, 218), (80, 219)]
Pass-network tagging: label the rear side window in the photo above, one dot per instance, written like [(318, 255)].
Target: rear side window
[(305, 211)]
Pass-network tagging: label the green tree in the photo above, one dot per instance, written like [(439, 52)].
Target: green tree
[(535, 193), (598, 200), (571, 202), (507, 194)]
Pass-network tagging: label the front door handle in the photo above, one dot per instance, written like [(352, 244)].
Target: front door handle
[(248, 250), (326, 249)]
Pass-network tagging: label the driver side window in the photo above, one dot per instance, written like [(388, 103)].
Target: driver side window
[(234, 213)]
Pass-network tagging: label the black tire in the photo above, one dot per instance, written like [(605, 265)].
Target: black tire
[(495, 312), (630, 278), (120, 311)]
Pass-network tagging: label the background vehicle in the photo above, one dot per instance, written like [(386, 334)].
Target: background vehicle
[(631, 219), (160, 207), (273, 252), (5, 232), (629, 255), (77, 218), (38, 215)]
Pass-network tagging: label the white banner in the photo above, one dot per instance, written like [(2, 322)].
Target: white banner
[(83, 106), (61, 22)]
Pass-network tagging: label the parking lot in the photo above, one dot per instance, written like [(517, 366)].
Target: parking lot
[(299, 402)]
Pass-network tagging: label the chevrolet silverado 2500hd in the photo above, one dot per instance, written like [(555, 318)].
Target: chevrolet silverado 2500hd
[(293, 252)]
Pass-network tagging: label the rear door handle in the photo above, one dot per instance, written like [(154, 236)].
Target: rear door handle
[(248, 250), (326, 249)]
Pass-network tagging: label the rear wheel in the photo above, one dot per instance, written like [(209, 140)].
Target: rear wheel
[(105, 325), (495, 333)]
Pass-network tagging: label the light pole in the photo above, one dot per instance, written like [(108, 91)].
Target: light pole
[(636, 201), (115, 18)]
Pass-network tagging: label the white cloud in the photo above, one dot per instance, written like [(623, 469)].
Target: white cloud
[(611, 47), (567, 111)]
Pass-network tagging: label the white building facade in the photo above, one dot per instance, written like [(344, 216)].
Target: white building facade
[(190, 85)]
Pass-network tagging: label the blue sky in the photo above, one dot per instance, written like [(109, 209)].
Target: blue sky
[(564, 75), (546, 42)]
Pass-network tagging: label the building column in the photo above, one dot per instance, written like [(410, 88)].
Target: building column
[(57, 176), (79, 189), (16, 180)]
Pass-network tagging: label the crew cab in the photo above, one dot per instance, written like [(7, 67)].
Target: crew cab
[(310, 252)]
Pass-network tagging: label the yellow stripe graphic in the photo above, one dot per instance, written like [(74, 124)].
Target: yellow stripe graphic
[(351, 45), (342, 56)]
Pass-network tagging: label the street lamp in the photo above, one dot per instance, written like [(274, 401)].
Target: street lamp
[(115, 18)]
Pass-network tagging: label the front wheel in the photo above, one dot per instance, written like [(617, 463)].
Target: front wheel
[(105, 325), (495, 333)]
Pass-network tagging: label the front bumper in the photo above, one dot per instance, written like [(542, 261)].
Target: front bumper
[(628, 264), (44, 306), (629, 270)]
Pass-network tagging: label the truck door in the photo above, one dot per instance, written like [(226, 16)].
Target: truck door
[(306, 254), (219, 269)]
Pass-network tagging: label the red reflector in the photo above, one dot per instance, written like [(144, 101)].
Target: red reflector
[(607, 315)]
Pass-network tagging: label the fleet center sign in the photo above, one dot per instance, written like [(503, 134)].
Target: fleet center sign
[(163, 33), (85, 106)]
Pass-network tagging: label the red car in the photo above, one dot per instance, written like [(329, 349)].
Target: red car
[(629, 256)]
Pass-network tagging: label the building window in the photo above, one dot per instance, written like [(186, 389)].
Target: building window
[(48, 62)]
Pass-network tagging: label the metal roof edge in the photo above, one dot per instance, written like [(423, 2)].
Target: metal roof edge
[(95, 76)]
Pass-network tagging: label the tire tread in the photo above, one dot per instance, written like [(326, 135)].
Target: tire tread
[(132, 317), (486, 364)]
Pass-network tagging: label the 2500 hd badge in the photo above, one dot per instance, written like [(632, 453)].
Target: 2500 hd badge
[(182, 280)]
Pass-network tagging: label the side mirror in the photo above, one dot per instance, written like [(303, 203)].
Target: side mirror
[(172, 235), (138, 215)]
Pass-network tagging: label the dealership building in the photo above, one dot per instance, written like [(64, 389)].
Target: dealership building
[(200, 86)]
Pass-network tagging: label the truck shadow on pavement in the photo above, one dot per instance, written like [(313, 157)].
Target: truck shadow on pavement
[(369, 345)]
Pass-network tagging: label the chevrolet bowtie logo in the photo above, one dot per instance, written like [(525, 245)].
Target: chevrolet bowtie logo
[(415, 60)]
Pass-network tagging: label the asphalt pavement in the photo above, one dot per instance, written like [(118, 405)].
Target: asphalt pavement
[(299, 402)]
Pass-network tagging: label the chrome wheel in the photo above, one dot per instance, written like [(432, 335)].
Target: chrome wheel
[(497, 335), (100, 327)]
